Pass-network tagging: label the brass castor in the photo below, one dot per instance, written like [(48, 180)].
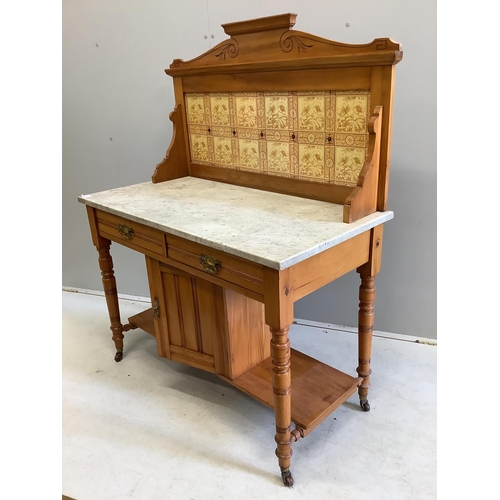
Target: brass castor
[(286, 475), (118, 356), (365, 406)]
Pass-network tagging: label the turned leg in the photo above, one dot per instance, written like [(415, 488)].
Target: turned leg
[(111, 294), (280, 354), (365, 332)]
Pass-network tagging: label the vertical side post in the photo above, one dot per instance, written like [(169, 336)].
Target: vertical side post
[(366, 315), (108, 281), (111, 294), (365, 334), (278, 304), (282, 381)]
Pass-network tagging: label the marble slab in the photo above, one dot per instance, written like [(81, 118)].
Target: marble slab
[(272, 229)]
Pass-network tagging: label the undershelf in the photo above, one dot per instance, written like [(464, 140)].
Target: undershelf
[(317, 389), (144, 321)]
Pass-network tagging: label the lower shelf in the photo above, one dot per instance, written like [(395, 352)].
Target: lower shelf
[(144, 321), (317, 389)]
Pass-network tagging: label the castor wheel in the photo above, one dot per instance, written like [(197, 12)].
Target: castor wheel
[(118, 356), (286, 475), (365, 406)]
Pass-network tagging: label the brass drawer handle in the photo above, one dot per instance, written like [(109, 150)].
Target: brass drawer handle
[(210, 264), (125, 231)]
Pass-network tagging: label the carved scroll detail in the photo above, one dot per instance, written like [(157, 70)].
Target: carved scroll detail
[(287, 42), (175, 163), (231, 49)]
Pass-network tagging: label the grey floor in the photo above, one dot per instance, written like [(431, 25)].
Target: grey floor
[(148, 428)]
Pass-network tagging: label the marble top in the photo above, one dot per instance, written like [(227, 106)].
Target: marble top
[(272, 229)]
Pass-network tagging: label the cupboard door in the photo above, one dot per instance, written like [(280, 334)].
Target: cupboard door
[(190, 326), (204, 325), (189, 318)]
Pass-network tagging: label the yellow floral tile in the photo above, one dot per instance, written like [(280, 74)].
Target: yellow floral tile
[(199, 147), (248, 133), (351, 113), (312, 162), (311, 138), (276, 109), (278, 135), (246, 111), (348, 164), (220, 131), (197, 129), (314, 136), (248, 154), (351, 140), (195, 109), (311, 111), (223, 151), (278, 158), (219, 107)]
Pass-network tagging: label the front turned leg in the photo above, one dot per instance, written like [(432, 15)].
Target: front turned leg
[(365, 333), (280, 354), (111, 294)]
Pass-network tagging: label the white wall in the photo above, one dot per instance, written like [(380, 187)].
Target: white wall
[(118, 90)]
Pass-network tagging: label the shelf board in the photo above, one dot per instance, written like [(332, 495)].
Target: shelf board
[(317, 389), (144, 321)]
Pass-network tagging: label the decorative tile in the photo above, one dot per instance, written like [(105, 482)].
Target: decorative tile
[(351, 140), (313, 136), (248, 133), (223, 151), (278, 135), (246, 111), (221, 131), (311, 112), (197, 129), (199, 148), (348, 164), (351, 113), (278, 158), (195, 109), (248, 154), (312, 162), (219, 106), (276, 110)]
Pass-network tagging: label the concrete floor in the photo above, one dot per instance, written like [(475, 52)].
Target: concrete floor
[(148, 428)]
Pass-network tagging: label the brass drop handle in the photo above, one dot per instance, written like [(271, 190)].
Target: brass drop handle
[(210, 264), (125, 231)]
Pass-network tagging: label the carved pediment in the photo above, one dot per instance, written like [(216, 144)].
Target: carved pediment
[(270, 42)]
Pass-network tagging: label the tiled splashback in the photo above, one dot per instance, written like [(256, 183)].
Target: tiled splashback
[(314, 136)]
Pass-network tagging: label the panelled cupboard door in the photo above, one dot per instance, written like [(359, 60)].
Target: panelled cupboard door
[(205, 325), (191, 318)]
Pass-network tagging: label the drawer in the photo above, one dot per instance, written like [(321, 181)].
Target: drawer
[(132, 234), (216, 263)]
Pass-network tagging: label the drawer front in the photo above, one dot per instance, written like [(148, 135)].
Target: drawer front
[(137, 236), (216, 263)]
